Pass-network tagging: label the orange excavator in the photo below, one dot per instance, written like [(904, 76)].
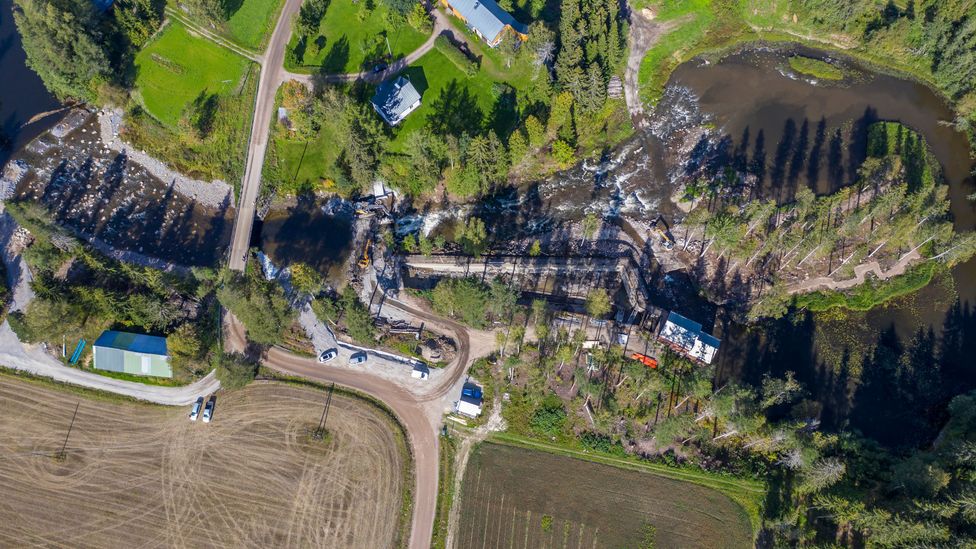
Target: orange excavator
[(648, 361)]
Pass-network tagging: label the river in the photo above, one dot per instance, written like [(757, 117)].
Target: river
[(22, 95)]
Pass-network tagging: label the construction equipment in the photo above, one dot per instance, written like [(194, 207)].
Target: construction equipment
[(661, 228), (364, 261), (648, 361)]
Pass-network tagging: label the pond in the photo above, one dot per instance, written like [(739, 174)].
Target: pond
[(22, 95)]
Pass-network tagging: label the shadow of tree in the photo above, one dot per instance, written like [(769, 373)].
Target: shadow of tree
[(455, 111)]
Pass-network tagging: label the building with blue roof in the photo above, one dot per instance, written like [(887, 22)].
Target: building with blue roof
[(395, 99), (487, 19), (685, 336), (129, 353)]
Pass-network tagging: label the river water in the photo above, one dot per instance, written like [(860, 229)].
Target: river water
[(22, 95)]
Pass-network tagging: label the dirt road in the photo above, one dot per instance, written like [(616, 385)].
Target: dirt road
[(419, 413), (644, 33), (272, 74), (136, 475), (13, 354)]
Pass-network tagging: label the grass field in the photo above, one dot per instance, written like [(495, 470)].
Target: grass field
[(515, 497), (177, 67), (816, 68), (252, 23), (141, 475), (345, 44)]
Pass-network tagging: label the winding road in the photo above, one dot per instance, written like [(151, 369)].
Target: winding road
[(419, 412)]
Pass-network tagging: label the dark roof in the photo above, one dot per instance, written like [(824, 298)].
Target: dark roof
[(137, 343), (394, 98), (471, 390), (486, 17), (103, 5)]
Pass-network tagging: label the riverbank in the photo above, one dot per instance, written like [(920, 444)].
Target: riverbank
[(713, 28)]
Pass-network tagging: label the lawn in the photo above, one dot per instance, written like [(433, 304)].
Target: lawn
[(252, 23), (346, 44), (447, 92), (516, 497), (178, 67)]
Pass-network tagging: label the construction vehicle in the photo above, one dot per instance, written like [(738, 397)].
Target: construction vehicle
[(648, 361), (364, 261), (660, 227)]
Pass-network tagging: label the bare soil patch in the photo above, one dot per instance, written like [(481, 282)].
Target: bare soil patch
[(140, 475)]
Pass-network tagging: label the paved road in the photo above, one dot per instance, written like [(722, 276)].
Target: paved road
[(419, 413), (13, 354), (272, 74)]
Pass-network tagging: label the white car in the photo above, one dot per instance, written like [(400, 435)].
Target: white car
[(357, 358), (195, 411), (208, 410), (328, 355)]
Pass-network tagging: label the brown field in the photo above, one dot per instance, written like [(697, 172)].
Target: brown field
[(138, 475), (507, 491)]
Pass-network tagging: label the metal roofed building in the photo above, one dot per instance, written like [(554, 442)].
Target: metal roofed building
[(395, 99), (685, 336), (487, 19), (136, 354), (470, 402)]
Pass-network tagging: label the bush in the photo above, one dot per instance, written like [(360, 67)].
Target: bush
[(359, 323), (456, 56), (464, 299), (235, 371), (550, 417), (259, 304)]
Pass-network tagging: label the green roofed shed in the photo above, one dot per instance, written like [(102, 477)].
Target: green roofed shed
[(136, 354)]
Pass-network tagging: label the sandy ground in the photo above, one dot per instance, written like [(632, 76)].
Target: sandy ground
[(139, 475)]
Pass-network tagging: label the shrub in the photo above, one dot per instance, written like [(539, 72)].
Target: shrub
[(550, 417), (456, 56), (235, 371), (465, 299)]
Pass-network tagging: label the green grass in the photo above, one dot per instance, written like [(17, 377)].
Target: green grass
[(178, 67), (749, 494), (145, 380), (692, 19), (816, 68), (251, 25), (433, 75), (445, 491), (347, 45), (873, 293)]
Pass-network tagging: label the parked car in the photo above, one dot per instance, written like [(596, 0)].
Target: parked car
[(328, 355), (195, 411), (420, 371), (357, 358), (209, 409)]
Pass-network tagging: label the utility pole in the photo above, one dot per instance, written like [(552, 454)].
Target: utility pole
[(320, 431), (61, 455)]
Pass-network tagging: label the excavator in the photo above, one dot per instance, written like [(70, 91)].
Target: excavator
[(660, 227), (364, 261)]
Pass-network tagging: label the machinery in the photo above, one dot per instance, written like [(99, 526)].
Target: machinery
[(663, 231), (364, 261)]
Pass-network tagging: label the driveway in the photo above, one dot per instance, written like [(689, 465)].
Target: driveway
[(17, 356)]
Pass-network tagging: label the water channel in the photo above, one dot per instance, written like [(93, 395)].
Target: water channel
[(22, 95)]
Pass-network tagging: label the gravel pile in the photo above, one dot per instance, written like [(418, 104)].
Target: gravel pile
[(215, 194)]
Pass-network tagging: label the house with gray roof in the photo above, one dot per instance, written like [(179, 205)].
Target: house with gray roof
[(685, 336), (395, 99), (137, 354), (487, 19)]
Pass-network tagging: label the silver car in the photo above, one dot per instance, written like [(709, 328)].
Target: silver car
[(209, 409), (357, 358), (195, 411), (328, 355)]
